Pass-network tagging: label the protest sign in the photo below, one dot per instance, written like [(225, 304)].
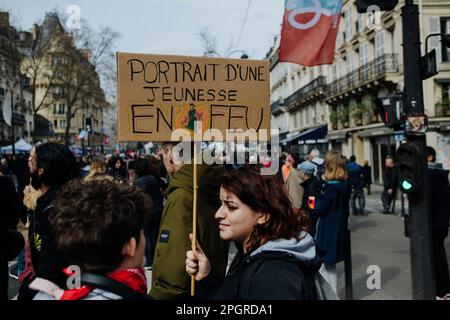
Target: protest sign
[(157, 94)]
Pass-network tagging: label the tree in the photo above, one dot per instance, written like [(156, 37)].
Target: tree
[(73, 64), (37, 69), (209, 44)]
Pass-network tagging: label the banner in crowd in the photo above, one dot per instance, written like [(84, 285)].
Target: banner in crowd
[(157, 94)]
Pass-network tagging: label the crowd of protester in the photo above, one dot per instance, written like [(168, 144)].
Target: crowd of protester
[(117, 218)]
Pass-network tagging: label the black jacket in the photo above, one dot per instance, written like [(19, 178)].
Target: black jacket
[(440, 198), (272, 274), (150, 186), (390, 178), (312, 188), (47, 260), (9, 216), (367, 173)]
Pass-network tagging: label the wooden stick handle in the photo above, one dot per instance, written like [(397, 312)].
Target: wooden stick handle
[(194, 214)]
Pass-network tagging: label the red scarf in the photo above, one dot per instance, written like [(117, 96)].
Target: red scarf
[(134, 278)]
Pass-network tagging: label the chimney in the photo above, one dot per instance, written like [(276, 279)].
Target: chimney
[(4, 23)]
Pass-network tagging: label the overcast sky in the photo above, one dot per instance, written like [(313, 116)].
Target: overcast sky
[(169, 26)]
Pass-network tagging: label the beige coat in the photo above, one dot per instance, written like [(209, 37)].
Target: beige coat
[(293, 187)]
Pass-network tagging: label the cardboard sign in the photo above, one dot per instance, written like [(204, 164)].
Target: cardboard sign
[(157, 94)]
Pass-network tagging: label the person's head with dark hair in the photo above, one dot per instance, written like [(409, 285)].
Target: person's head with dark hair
[(352, 158), (115, 163), (256, 209), (430, 154), (141, 167), (154, 166), (55, 164), (98, 225)]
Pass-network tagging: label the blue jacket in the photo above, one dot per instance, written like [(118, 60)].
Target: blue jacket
[(332, 208), (355, 175)]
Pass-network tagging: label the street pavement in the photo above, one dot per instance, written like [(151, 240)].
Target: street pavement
[(377, 240)]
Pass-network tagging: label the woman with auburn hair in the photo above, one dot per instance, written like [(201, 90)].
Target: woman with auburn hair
[(276, 257), (332, 208)]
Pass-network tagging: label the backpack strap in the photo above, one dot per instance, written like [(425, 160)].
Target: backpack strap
[(111, 285)]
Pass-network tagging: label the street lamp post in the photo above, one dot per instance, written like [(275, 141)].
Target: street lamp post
[(422, 267)]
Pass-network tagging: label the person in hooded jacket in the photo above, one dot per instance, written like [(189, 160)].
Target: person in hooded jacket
[(276, 258), (332, 208), (440, 216), (169, 278)]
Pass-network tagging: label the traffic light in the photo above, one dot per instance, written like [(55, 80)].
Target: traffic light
[(384, 5), (390, 109), (409, 166)]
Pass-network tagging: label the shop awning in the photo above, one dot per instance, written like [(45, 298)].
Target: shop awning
[(314, 135), (309, 136), (289, 140)]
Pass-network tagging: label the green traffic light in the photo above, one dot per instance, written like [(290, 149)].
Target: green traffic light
[(406, 185)]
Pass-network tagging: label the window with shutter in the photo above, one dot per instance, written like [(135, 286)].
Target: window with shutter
[(348, 24), (445, 28), (379, 44), (434, 26), (363, 54)]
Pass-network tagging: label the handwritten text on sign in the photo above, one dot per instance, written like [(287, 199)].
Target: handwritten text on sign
[(157, 94)]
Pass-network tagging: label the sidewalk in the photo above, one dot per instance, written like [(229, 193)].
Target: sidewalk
[(373, 202), (378, 240)]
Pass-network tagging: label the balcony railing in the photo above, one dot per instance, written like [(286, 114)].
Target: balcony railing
[(376, 69), (18, 118), (443, 109), (305, 91)]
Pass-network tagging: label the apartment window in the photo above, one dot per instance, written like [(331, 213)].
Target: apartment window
[(60, 91), (55, 60), (55, 123), (54, 108), (363, 57), (380, 44), (434, 26), (445, 28), (296, 124), (334, 72), (348, 23), (350, 64), (62, 108), (62, 123), (361, 21)]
